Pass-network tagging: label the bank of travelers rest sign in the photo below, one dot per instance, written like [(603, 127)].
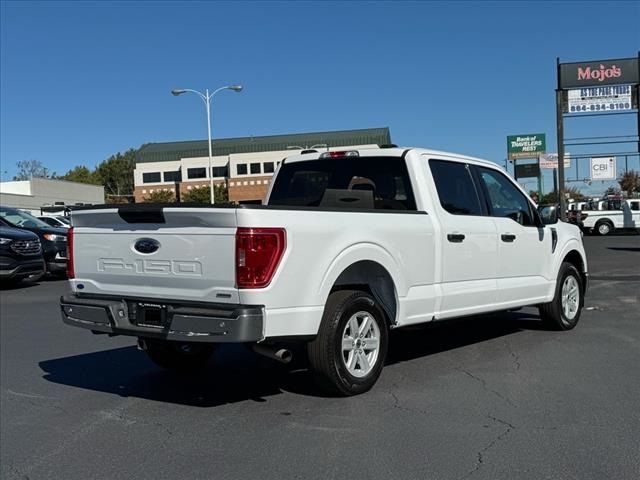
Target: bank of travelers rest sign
[(526, 146)]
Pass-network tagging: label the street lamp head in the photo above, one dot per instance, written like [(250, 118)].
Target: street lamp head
[(235, 88), (177, 91)]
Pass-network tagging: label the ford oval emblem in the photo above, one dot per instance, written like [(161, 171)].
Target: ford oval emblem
[(146, 245)]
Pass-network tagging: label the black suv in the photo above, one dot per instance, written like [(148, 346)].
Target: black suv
[(20, 255), (53, 240)]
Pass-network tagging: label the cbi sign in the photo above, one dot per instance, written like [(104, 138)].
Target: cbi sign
[(603, 168), (606, 72)]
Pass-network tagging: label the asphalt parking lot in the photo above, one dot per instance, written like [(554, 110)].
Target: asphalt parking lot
[(491, 397)]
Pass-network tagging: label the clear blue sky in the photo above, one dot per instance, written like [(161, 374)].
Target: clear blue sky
[(81, 81)]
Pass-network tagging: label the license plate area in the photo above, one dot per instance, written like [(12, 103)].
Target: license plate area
[(151, 315)]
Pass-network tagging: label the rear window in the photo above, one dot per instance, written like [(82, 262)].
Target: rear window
[(380, 183)]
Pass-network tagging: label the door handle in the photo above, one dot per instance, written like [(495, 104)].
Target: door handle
[(508, 237), (455, 237)]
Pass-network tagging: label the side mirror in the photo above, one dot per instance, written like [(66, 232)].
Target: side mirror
[(548, 214)]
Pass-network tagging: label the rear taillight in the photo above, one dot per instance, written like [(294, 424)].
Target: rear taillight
[(258, 253), (70, 268)]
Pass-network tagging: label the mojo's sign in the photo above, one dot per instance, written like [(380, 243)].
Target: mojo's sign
[(526, 146), (605, 72)]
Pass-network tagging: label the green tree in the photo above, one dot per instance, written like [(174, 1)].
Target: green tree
[(611, 191), (630, 182), (28, 169), (575, 194), (81, 174), (202, 195), (160, 196), (116, 173), (551, 197)]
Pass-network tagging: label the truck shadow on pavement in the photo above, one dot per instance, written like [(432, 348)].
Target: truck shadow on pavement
[(236, 374)]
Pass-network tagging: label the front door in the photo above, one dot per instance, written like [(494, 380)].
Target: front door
[(522, 246)]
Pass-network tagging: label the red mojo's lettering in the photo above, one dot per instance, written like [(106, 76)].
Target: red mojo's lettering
[(599, 74)]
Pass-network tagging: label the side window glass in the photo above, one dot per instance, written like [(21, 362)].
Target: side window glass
[(455, 186), (505, 199)]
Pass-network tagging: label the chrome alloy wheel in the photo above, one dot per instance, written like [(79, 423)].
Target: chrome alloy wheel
[(603, 228), (570, 297), (360, 344)]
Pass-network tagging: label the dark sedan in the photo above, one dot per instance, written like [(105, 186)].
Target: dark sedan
[(53, 240), (20, 255)]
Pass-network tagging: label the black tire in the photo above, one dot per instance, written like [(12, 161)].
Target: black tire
[(553, 314), (326, 354), (177, 355), (603, 227)]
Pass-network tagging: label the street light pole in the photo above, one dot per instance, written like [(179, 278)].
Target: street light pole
[(206, 98)]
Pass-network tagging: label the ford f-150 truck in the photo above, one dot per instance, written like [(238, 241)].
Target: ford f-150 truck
[(348, 245), (605, 216)]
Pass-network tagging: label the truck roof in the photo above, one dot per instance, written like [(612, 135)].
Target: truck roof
[(393, 152)]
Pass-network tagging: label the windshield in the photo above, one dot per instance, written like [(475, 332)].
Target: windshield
[(17, 218)]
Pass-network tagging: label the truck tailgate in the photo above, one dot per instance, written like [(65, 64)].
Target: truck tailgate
[(166, 253)]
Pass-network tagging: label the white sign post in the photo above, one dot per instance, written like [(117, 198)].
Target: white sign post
[(603, 168)]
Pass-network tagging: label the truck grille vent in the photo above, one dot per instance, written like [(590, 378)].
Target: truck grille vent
[(26, 247)]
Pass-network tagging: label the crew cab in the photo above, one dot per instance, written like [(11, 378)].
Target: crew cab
[(606, 216), (348, 245)]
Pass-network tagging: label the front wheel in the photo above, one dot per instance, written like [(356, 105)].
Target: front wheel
[(350, 350), (177, 355), (563, 312)]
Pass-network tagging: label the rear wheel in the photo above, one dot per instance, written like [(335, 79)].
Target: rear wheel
[(563, 312), (177, 355), (604, 228), (349, 352)]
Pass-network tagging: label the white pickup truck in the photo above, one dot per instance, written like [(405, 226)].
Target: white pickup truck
[(349, 245), (606, 216)]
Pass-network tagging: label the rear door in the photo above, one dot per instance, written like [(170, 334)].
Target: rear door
[(166, 253), (468, 241)]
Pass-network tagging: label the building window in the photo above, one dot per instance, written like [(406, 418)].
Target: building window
[(268, 167), (173, 176), (197, 172), (220, 171), (151, 177), (255, 168), (241, 169)]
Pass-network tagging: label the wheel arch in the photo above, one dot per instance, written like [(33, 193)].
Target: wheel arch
[(575, 258), (373, 278), (369, 268)]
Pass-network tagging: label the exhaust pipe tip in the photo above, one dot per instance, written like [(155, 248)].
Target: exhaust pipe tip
[(282, 355)]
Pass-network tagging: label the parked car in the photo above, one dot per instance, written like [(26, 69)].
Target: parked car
[(20, 255), (53, 240), (349, 245), (59, 222)]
